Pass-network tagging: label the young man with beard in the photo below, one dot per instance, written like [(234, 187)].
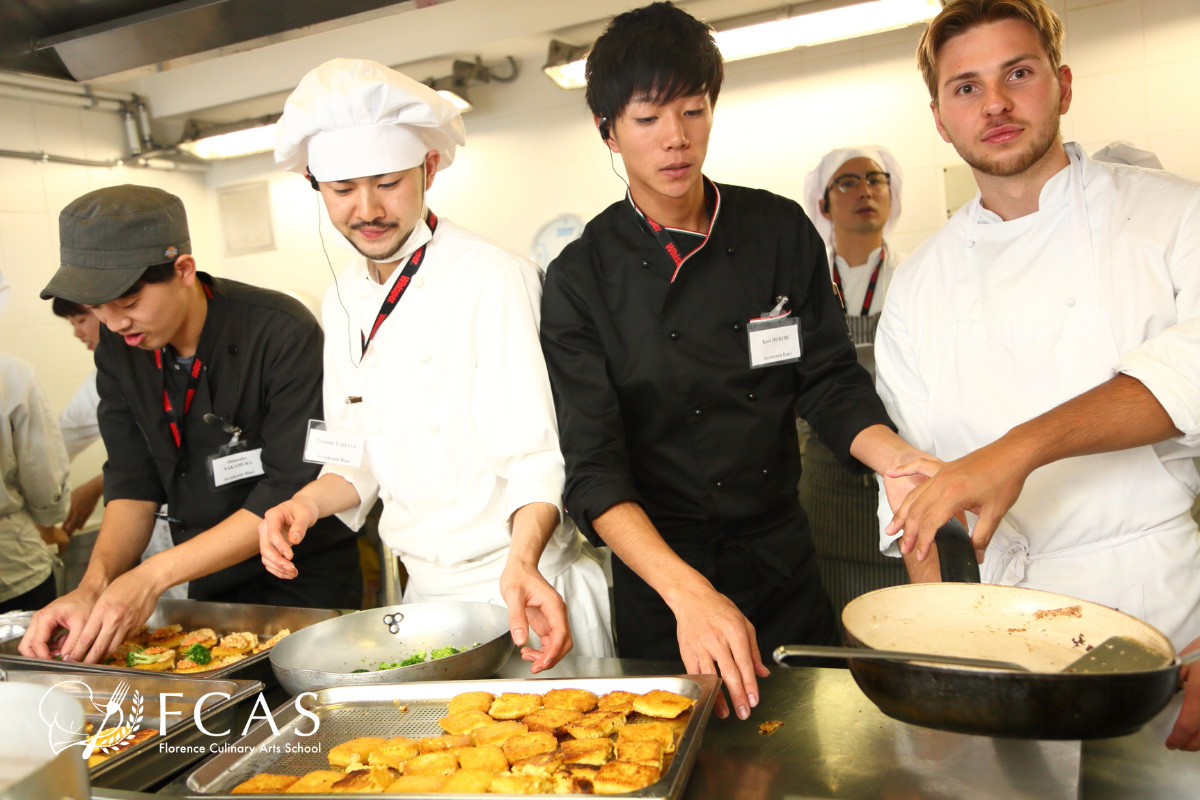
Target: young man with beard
[(206, 388), (433, 374), (1044, 344), (683, 332)]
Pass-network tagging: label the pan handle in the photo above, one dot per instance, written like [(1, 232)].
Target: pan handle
[(956, 553)]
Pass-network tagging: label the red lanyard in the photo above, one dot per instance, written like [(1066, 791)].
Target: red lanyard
[(837, 281), (664, 238), (174, 418), (406, 276)]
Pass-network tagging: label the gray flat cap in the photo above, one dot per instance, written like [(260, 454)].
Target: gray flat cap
[(107, 239)]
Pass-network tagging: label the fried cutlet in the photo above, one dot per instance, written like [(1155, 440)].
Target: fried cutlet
[(354, 751), (437, 744), (618, 701), (154, 659), (646, 753), (488, 758), (524, 745), (417, 784), (575, 779), (580, 700), (464, 722), (596, 725), (317, 782), (471, 701), (648, 732), (663, 705), (274, 640), (166, 636), (235, 644), (519, 784), (372, 780), (443, 763), (543, 764), (497, 732), (118, 740), (393, 752), (510, 705), (551, 720), (618, 777), (265, 783), (586, 751), (468, 781), (202, 636)]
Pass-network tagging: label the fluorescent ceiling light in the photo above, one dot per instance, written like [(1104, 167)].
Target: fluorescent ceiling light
[(565, 65), (245, 142), (775, 36), (459, 100)]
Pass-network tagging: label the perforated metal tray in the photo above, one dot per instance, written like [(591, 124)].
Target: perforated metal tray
[(413, 710)]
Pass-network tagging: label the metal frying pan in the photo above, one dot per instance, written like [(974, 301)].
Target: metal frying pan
[(1038, 630), (326, 654)]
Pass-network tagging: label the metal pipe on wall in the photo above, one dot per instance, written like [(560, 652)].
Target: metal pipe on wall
[(133, 162)]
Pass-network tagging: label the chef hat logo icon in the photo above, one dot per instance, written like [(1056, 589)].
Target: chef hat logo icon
[(116, 729), (171, 251)]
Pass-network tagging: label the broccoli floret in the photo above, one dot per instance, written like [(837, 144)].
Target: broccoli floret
[(198, 654), (442, 652), (416, 658), (129, 657)]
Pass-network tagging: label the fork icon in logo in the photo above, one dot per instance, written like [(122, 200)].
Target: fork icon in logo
[(113, 706)]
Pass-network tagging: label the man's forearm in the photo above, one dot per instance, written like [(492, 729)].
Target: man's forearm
[(634, 539), (1116, 415), (532, 526), (229, 542), (124, 534), (331, 493), (881, 449)]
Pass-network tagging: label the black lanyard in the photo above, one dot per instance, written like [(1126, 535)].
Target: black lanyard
[(401, 285), (174, 418), (837, 281)]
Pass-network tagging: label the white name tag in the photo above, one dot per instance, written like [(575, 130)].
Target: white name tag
[(326, 447), (774, 341), (236, 467)]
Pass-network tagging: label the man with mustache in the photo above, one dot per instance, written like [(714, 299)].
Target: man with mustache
[(206, 388), (1046, 344)]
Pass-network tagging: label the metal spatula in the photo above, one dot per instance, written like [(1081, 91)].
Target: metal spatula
[(1119, 654)]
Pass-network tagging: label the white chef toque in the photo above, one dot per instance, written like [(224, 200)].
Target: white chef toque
[(819, 178), (351, 118)]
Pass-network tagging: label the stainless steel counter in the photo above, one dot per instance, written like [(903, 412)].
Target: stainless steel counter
[(836, 744)]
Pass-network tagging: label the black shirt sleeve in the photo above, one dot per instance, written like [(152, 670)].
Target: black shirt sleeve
[(834, 393), (591, 430), (130, 473)]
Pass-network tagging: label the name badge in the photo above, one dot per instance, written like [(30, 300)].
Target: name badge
[(235, 467), (323, 446), (774, 338)]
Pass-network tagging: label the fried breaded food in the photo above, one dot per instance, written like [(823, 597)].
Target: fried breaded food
[(524, 745), (269, 643), (497, 732), (770, 726), (140, 636), (617, 777), (575, 779), (437, 744), (618, 701), (471, 701), (664, 705), (217, 663), (512, 705), (443, 763), (354, 751), (519, 784), (155, 659), (372, 780), (580, 700), (646, 753), (468, 781), (543, 764), (235, 644), (316, 782), (586, 751), (648, 732), (117, 657), (596, 725), (551, 720), (204, 636), (464, 722), (166, 636), (488, 758), (417, 784), (184, 665), (394, 752), (265, 783), (118, 740)]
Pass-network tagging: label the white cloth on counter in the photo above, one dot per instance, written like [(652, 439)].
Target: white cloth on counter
[(459, 423), (34, 489), (993, 322)]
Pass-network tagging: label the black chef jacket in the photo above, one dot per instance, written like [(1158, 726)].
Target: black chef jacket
[(261, 355), (657, 403)]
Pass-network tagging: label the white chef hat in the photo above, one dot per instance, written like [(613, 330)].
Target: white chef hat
[(1127, 153), (819, 178), (349, 118)]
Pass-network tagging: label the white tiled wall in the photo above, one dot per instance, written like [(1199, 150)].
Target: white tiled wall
[(31, 195), (533, 152)]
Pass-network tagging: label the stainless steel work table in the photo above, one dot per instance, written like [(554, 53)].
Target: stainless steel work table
[(836, 744)]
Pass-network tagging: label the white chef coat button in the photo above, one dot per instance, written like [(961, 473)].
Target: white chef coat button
[(970, 243), (1070, 301), (424, 356)]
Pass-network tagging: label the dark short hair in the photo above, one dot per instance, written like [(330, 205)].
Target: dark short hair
[(65, 308), (656, 51), (159, 273)]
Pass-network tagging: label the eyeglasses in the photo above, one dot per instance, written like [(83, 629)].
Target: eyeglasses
[(849, 182)]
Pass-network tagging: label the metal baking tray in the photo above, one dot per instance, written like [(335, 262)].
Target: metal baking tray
[(164, 754), (349, 711), (223, 618)]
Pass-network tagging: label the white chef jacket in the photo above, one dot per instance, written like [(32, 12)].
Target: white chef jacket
[(34, 465), (993, 322), (458, 421), (78, 420), (855, 279)]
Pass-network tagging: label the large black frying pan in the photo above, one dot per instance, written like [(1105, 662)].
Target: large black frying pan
[(1039, 630)]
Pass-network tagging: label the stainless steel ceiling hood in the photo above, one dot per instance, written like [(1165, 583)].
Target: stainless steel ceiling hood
[(86, 39)]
